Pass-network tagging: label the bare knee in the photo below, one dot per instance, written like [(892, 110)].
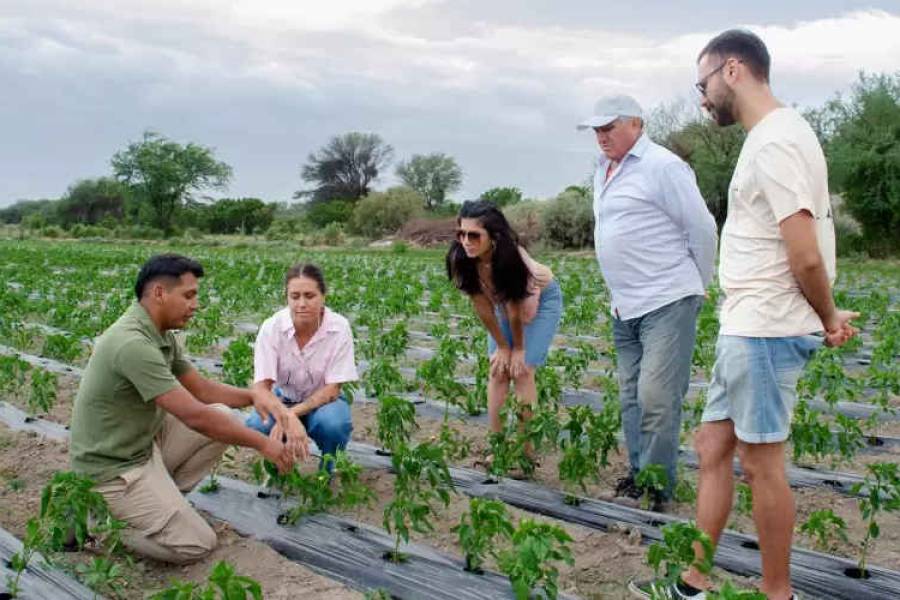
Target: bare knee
[(761, 462), (525, 379), (499, 379), (714, 443)]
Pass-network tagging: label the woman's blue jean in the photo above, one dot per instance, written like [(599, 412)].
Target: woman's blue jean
[(329, 426)]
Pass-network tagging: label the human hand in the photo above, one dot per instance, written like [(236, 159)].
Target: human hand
[(517, 365), (278, 453), (294, 437), (500, 361), (269, 406), (838, 330)]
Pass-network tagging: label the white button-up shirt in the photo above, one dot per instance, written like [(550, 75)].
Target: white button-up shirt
[(326, 358), (654, 236)]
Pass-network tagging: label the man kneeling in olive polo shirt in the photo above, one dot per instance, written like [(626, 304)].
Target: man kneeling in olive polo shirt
[(146, 427)]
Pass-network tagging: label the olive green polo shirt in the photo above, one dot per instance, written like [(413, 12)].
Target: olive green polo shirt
[(115, 417)]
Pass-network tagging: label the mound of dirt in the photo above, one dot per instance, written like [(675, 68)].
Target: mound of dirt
[(429, 232)]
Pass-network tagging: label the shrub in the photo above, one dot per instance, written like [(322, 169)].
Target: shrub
[(321, 214), (52, 231), (527, 219), (382, 213), (569, 220), (330, 235)]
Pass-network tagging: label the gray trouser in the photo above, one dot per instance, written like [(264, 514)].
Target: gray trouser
[(654, 368)]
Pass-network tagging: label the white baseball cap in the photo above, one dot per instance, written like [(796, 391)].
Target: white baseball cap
[(610, 108)]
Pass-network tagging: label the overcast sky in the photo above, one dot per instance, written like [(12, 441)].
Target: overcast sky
[(497, 84)]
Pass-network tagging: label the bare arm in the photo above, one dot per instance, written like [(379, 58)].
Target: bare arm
[(266, 403), (514, 314), (517, 357), (807, 266), (208, 391), (221, 427), (323, 395), (484, 308)]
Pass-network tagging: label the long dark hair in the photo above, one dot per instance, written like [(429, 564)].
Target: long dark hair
[(509, 274)]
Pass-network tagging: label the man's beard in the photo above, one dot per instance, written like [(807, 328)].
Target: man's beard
[(723, 110)]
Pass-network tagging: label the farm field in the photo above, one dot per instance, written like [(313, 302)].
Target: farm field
[(421, 349)]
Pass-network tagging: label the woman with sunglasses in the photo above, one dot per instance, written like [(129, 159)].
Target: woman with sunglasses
[(515, 297), (303, 353)]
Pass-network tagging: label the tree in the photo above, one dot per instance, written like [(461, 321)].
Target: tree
[(162, 174), (432, 175), (45, 210), (345, 167), (90, 201), (243, 215), (710, 150), (861, 138), (503, 196)]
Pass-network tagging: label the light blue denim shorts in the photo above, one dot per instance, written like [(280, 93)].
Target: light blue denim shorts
[(754, 383), (539, 333)]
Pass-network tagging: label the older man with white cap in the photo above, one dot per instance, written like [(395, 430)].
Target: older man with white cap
[(656, 243)]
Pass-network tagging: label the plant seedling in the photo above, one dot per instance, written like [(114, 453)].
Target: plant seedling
[(729, 592), (578, 461), (675, 552), (396, 419), (103, 576), (35, 539), (744, 504), (422, 477), (531, 562), (509, 447), (652, 480), (485, 521), (882, 488), (223, 583), (212, 485), (824, 526), (43, 391), (237, 362)]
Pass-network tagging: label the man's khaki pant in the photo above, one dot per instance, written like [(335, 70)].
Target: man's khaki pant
[(161, 523)]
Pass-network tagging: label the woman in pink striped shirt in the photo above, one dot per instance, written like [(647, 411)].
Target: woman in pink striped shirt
[(516, 298), (303, 353)]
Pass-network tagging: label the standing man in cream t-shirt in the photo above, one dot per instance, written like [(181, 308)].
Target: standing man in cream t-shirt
[(777, 264)]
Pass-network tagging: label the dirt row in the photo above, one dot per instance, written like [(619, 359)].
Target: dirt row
[(603, 560)]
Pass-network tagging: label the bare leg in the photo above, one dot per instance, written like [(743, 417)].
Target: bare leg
[(773, 513), (526, 391), (498, 388), (715, 444)]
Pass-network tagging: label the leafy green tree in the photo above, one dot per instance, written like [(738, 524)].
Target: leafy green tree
[(345, 167), (432, 175), (861, 137), (322, 214), (163, 174), (243, 215), (19, 211), (91, 201), (710, 150), (502, 196)]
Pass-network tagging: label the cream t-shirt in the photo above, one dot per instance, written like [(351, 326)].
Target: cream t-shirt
[(780, 171)]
